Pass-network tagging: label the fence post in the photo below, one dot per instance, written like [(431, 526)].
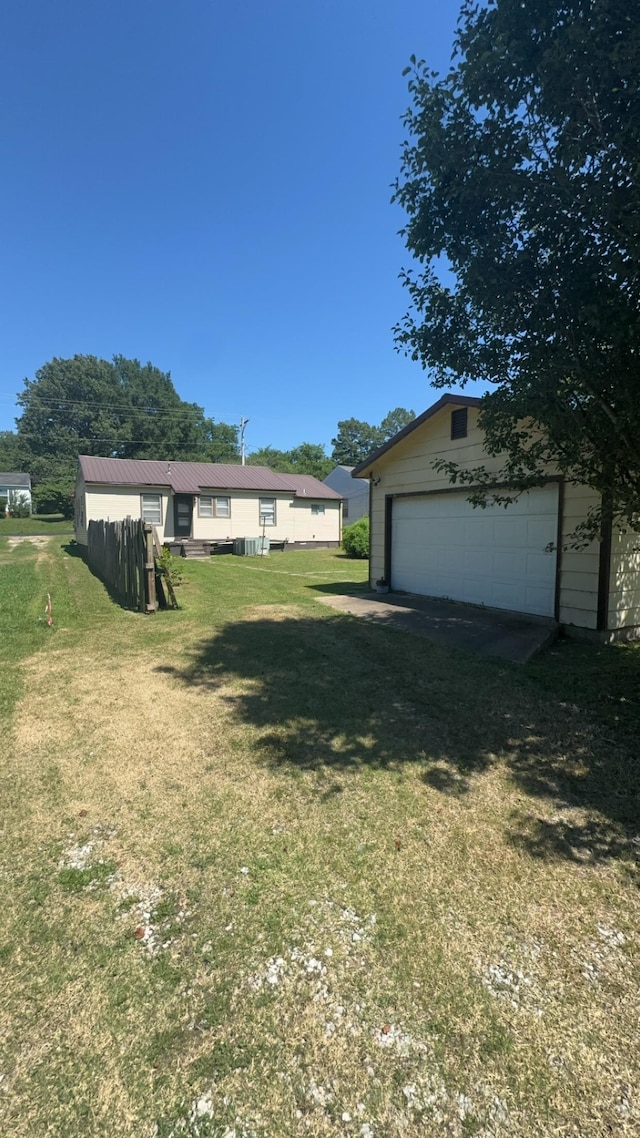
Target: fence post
[(149, 569)]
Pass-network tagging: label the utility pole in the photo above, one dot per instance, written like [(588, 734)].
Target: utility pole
[(243, 423)]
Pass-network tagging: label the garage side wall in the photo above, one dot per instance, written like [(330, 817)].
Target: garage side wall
[(579, 569), (408, 468), (624, 582)]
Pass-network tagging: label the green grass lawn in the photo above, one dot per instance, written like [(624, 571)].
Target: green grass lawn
[(268, 870), (37, 523)]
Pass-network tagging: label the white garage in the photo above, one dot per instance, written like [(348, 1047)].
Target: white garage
[(427, 539), (442, 547)]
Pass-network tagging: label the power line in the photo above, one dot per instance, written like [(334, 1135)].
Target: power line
[(53, 405), (154, 412), (62, 402)]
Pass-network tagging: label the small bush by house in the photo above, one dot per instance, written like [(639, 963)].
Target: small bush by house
[(355, 539)]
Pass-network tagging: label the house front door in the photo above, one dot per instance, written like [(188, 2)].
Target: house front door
[(182, 514)]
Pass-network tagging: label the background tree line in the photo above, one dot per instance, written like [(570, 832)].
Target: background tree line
[(124, 409)]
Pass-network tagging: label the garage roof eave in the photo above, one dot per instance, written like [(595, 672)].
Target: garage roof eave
[(363, 468)]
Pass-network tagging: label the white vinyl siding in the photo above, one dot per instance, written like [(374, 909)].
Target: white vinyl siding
[(293, 518), (624, 585), (152, 508)]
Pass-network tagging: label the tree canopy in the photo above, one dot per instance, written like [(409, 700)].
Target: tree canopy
[(520, 182), (356, 440), (307, 458), (223, 445), (11, 453), (119, 408), (124, 409)]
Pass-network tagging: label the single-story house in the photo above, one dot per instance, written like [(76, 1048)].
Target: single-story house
[(207, 501), (427, 538), (15, 488), (355, 494)]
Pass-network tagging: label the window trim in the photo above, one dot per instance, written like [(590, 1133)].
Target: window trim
[(214, 499), (317, 509), (159, 497), (262, 517)]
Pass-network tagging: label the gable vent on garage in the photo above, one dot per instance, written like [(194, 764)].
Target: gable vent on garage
[(459, 423)]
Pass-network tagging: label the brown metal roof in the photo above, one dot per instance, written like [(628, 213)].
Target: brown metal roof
[(444, 401), (192, 477)]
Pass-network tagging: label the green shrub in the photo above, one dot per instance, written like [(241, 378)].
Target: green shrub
[(53, 498), (170, 567), (20, 510), (355, 539), (3, 508)]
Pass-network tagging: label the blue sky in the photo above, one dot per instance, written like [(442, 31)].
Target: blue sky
[(206, 185)]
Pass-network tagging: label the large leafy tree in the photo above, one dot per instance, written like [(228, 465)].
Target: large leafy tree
[(223, 445), (118, 408), (521, 182), (394, 422), (307, 458), (310, 458), (11, 452), (356, 440)]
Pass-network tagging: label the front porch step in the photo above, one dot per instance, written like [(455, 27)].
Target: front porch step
[(196, 550)]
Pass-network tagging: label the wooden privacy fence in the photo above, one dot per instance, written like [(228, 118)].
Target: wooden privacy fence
[(122, 555)]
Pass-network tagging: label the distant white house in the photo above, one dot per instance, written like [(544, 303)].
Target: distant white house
[(202, 501), (354, 493), (16, 489)]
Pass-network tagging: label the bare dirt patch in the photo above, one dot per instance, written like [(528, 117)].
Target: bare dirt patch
[(33, 539)]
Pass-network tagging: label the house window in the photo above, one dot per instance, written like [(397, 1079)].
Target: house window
[(345, 508), (317, 508), (209, 507), (267, 511), (459, 423), (152, 509)]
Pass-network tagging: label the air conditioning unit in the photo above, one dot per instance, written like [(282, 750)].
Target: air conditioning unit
[(247, 546)]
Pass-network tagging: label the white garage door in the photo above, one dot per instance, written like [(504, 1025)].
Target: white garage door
[(442, 547)]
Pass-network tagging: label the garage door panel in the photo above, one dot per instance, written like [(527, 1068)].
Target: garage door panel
[(451, 531), (441, 546), (537, 565), (510, 532), (513, 562), (477, 562), (538, 533)]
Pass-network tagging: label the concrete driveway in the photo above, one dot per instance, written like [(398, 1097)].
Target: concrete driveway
[(489, 632)]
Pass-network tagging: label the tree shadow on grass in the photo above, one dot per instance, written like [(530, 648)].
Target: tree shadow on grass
[(336, 695)]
